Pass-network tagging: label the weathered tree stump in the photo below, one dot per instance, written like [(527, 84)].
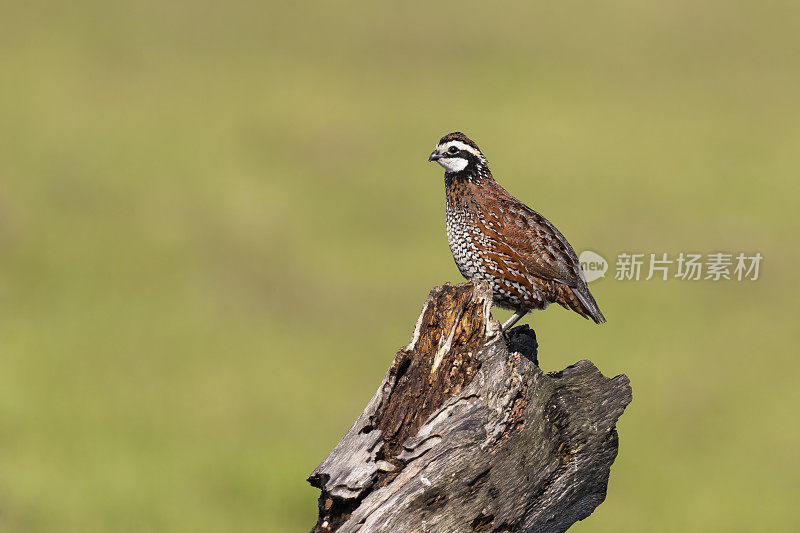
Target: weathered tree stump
[(466, 433)]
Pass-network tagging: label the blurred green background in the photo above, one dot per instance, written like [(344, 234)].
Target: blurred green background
[(217, 226)]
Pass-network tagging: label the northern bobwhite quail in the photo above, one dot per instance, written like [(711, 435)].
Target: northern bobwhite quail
[(496, 238)]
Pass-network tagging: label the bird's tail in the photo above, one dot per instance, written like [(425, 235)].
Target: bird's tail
[(584, 304)]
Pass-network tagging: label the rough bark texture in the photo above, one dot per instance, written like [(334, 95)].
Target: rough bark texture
[(466, 433)]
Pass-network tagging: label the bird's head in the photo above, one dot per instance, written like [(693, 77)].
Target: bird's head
[(457, 153)]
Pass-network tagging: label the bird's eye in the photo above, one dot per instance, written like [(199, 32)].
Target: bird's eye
[(453, 150)]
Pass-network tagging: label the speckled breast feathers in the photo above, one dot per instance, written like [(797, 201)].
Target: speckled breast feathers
[(496, 238)]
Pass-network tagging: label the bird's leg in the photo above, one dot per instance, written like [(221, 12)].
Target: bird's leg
[(513, 320)]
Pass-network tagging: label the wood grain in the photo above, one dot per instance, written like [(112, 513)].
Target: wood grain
[(466, 433)]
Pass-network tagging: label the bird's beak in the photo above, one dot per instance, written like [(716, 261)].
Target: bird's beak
[(434, 156)]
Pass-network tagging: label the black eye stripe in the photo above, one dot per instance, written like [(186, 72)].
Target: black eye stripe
[(453, 150)]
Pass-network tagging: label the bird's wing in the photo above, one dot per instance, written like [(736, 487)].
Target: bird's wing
[(541, 248)]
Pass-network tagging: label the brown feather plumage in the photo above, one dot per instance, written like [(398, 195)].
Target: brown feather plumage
[(495, 237)]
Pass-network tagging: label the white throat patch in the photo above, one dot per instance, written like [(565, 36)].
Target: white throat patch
[(453, 164), (456, 164)]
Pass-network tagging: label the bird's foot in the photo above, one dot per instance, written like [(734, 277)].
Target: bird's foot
[(513, 320)]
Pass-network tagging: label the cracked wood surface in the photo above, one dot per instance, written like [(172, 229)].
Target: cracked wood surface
[(466, 433)]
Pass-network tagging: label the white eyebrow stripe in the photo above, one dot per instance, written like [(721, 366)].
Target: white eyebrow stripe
[(460, 146)]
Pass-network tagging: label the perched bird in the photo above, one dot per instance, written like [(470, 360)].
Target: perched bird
[(496, 238)]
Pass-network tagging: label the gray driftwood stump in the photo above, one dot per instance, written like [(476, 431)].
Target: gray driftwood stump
[(466, 433)]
